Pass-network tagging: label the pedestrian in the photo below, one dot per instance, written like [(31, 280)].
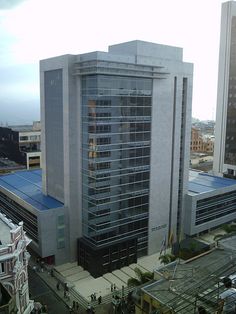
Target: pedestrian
[(99, 300), (227, 298), (77, 306), (112, 287), (123, 290), (71, 310), (91, 296), (58, 285), (42, 265), (94, 297), (88, 308), (44, 309), (74, 305)]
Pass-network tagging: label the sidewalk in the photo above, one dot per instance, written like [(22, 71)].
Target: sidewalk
[(52, 282)]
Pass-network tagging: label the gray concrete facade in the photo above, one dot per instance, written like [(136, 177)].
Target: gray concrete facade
[(224, 158), (190, 226), (47, 227), (64, 137), (209, 203)]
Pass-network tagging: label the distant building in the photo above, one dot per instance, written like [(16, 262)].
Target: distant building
[(22, 144), (209, 203), (201, 143), (208, 144), (225, 132), (7, 165), (115, 148), (196, 140), (13, 264)]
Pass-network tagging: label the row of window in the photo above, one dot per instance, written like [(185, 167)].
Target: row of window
[(134, 201), (104, 128), (30, 138), (18, 213), (121, 128), (136, 130)]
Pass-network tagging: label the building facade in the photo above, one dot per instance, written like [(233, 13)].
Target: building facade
[(21, 199), (201, 143), (175, 285), (119, 124), (22, 144), (225, 131), (209, 203), (13, 265)]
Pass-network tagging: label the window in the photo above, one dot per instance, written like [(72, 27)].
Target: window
[(23, 138), (103, 201), (61, 243), (61, 220), (103, 154), (103, 165), (103, 140), (102, 177), (103, 128), (99, 128), (33, 138), (2, 268)]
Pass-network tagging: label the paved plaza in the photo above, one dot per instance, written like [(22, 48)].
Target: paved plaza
[(86, 285), (82, 285)]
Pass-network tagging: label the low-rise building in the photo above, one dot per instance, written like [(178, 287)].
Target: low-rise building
[(22, 144), (181, 287), (7, 166), (210, 202), (21, 199), (13, 264), (201, 143)]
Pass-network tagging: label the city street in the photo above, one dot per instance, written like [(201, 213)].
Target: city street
[(40, 292)]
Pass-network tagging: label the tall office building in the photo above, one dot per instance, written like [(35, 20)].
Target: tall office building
[(115, 148), (225, 131)]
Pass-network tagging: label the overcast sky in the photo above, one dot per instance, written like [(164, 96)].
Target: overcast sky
[(31, 30)]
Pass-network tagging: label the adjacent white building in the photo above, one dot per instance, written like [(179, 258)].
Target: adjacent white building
[(14, 262), (115, 148), (209, 203), (225, 130)]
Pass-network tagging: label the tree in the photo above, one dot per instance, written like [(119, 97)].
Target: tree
[(142, 277), (167, 258), (229, 228)]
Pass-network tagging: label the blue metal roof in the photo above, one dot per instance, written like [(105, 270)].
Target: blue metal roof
[(200, 182), (27, 185)]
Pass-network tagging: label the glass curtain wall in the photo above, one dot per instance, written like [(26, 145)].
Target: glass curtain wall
[(230, 141), (116, 128)]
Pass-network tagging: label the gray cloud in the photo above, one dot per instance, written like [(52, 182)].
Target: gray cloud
[(9, 4), (18, 105)]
